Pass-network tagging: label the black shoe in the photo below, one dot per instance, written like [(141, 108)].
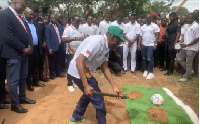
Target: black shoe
[(45, 79), (53, 77), (3, 106), (27, 101), (60, 75), (38, 84), (18, 108), (30, 87), (168, 73), (5, 102)]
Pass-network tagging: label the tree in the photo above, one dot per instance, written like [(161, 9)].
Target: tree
[(160, 7), (182, 11)]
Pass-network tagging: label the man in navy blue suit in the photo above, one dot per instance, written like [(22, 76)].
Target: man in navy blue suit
[(33, 58), (15, 48), (53, 33)]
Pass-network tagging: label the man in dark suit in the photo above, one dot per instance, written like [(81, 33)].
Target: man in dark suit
[(15, 48), (53, 33), (33, 58)]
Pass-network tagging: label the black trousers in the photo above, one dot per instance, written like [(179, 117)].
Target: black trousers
[(33, 66), (119, 49), (170, 57), (63, 56), (55, 62), (2, 78), (69, 59), (159, 55), (116, 68), (139, 60)]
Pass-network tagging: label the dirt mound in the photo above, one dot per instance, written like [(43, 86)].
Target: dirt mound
[(134, 95), (157, 114)]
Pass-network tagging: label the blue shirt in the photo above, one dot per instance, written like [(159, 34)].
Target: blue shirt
[(33, 32)]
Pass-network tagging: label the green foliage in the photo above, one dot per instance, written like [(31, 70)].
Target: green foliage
[(182, 11)]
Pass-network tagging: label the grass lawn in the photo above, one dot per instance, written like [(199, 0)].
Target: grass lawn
[(138, 109)]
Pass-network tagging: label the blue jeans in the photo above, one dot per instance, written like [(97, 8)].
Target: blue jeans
[(147, 55), (96, 101), (17, 73)]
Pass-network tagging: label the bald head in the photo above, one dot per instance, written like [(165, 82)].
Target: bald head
[(29, 14), (53, 18), (18, 5), (148, 19)]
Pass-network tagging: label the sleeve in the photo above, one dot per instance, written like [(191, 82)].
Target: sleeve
[(196, 32), (91, 50), (7, 34), (47, 37), (157, 29), (125, 29), (97, 30), (138, 30), (66, 33), (182, 30), (100, 28)]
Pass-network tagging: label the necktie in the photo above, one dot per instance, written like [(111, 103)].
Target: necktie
[(20, 20), (57, 32)]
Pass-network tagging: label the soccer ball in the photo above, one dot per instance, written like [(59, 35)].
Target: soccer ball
[(157, 99)]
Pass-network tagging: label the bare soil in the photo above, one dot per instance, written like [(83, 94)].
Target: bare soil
[(134, 94), (55, 103), (157, 114)]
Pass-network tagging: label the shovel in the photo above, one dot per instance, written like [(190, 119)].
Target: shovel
[(95, 93)]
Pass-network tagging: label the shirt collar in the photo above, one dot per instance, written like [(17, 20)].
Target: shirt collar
[(30, 22), (105, 40), (15, 13)]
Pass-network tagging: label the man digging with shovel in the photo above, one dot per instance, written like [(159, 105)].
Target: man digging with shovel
[(92, 53)]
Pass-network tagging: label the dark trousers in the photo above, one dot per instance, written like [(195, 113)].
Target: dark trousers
[(116, 68), (17, 73), (2, 79), (96, 101), (119, 50), (69, 59), (55, 62), (170, 57), (159, 56), (147, 55), (139, 60), (33, 66), (63, 56)]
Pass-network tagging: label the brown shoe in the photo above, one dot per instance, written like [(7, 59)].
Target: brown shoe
[(124, 72), (133, 72)]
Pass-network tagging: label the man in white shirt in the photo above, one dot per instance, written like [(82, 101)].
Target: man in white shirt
[(190, 46), (132, 31), (73, 36), (89, 29), (103, 26), (148, 38), (92, 53)]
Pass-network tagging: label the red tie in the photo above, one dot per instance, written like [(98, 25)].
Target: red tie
[(20, 20), (57, 32)]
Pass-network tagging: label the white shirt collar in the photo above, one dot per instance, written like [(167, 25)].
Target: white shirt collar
[(15, 13)]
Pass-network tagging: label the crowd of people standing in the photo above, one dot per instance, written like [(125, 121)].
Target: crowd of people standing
[(35, 49)]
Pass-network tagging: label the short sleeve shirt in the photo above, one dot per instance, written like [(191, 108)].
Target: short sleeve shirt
[(103, 27), (90, 30), (148, 34), (95, 49), (191, 32), (72, 32), (131, 30)]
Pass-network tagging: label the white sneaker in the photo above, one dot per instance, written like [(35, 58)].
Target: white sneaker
[(71, 89), (183, 79), (145, 73), (150, 76), (75, 85)]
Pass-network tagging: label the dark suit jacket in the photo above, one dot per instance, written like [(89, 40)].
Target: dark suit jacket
[(39, 34), (14, 38), (51, 37)]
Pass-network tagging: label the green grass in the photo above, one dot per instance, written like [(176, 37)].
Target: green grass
[(138, 109)]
